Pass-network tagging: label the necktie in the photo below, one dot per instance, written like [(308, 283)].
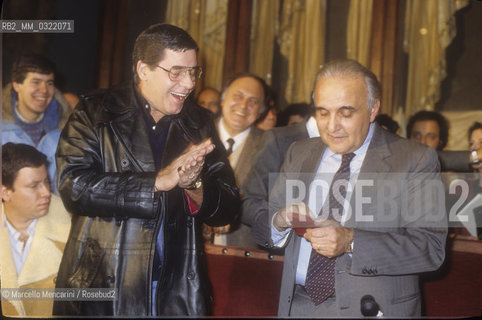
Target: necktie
[(320, 276), (230, 141)]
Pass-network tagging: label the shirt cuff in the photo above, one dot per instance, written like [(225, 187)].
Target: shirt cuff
[(279, 238), (193, 207)]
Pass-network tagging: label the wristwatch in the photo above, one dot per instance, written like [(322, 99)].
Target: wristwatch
[(196, 185)]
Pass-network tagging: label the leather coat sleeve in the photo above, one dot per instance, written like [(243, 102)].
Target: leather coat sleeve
[(86, 189), (221, 202)]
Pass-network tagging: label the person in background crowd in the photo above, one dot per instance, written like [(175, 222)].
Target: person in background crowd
[(209, 98), (243, 101), (268, 121), (141, 168), (34, 227), (295, 113), (475, 144), (432, 129), (387, 123), (331, 264), (33, 110)]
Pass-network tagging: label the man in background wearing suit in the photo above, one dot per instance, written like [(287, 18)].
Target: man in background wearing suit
[(243, 100), (369, 249)]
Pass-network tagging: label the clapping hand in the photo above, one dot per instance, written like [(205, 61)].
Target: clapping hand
[(185, 169)]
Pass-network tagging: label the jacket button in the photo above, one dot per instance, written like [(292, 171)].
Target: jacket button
[(110, 279), (190, 275), (189, 224), (124, 162), (289, 299)]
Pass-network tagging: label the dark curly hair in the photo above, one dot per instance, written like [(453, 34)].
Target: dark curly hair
[(431, 116)]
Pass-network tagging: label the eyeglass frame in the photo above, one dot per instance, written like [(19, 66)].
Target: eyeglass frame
[(183, 73)]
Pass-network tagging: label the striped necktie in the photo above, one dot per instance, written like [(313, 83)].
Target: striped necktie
[(320, 276)]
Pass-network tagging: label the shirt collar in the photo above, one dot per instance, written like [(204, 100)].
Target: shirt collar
[(22, 118), (238, 139), (16, 234), (312, 127), (362, 150), (146, 109)]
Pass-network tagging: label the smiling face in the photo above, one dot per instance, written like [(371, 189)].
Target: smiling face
[(29, 197), (34, 95), (342, 115), (166, 97), (241, 104)]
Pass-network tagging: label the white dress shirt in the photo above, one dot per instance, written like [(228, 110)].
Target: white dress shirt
[(238, 139)]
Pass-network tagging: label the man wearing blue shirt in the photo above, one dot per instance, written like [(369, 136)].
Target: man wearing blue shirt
[(34, 111)]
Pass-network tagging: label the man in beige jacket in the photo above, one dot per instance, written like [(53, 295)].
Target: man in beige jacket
[(34, 227)]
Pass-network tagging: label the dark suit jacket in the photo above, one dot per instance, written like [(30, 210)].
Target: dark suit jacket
[(458, 161), (387, 255), (266, 162)]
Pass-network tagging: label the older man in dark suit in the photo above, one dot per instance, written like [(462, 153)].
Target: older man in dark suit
[(356, 246), (243, 100)]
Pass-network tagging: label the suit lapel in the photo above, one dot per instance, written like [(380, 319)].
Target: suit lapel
[(375, 167), (376, 159), (312, 161), (250, 147)]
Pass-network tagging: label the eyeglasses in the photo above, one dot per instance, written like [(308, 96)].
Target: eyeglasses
[(176, 73)]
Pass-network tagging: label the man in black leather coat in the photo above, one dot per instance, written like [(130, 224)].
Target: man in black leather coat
[(141, 168)]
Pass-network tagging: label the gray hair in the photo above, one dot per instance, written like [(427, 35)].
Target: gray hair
[(348, 67)]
